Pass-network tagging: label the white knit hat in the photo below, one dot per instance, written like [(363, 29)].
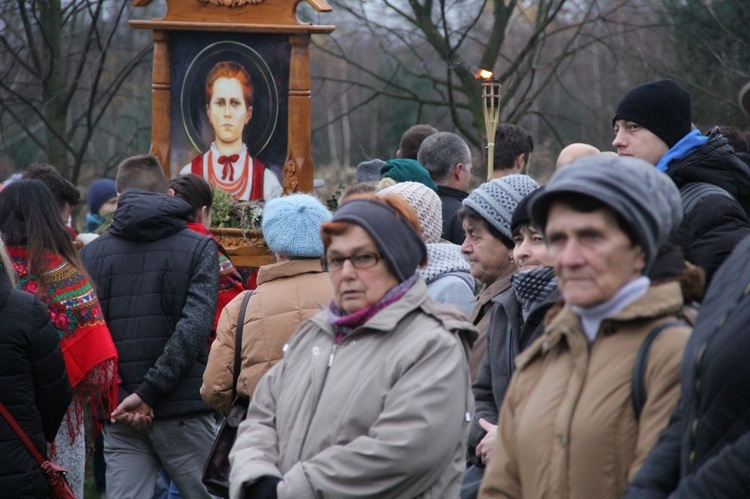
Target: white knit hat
[(426, 203)]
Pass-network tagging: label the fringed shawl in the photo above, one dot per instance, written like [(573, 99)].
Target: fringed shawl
[(87, 347)]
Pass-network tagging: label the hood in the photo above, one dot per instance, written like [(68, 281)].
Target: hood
[(444, 258), (714, 163), (148, 216)]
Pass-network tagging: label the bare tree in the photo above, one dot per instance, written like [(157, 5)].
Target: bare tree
[(63, 65), (425, 53)]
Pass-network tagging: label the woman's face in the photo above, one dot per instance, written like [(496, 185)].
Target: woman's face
[(353, 288), (593, 257), (530, 250), (227, 111), (489, 259)]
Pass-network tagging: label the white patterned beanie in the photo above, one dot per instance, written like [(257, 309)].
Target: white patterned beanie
[(426, 204), (291, 225), (496, 200)]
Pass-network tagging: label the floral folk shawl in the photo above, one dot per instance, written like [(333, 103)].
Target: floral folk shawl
[(87, 347)]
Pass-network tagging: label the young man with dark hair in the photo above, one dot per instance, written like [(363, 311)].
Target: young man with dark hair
[(653, 122), (513, 148), (157, 282), (408, 147), (67, 196)]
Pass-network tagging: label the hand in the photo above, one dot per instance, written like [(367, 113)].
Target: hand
[(133, 411), (485, 447)]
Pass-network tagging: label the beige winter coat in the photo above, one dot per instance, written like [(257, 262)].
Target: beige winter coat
[(288, 293), (567, 426), (382, 415)]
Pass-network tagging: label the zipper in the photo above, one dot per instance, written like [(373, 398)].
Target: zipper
[(332, 356)]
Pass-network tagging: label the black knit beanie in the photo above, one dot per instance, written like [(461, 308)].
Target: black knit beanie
[(522, 214), (660, 106)]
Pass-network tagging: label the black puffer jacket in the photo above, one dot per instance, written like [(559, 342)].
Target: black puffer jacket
[(34, 388), (709, 233), (157, 282), (705, 450)]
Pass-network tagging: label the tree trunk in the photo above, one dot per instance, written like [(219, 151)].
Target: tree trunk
[(54, 85)]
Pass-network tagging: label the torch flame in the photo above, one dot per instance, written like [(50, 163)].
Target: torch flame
[(484, 74)]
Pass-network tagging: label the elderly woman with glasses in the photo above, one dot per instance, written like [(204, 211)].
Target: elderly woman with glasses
[(372, 398)]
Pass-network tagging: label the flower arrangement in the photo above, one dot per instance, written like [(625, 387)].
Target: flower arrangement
[(228, 213)]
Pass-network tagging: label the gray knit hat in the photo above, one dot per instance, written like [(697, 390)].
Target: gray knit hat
[(645, 198), (291, 225), (426, 204), (369, 171), (497, 199)]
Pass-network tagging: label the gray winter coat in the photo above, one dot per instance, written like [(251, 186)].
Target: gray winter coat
[(383, 414)]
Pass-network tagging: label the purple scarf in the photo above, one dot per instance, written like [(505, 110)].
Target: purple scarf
[(344, 324)]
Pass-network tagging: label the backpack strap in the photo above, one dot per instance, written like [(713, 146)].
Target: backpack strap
[(641, 361), (694, 193)]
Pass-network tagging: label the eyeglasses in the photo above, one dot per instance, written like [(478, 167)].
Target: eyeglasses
[(361, 261)]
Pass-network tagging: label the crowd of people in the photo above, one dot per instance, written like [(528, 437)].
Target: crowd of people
[(581, 338)]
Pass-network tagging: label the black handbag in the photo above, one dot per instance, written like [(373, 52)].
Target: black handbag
[(216, 469)]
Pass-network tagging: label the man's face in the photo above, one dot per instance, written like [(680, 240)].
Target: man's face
[(631, 139), (592, 256), (227, 111), (465, 177), (489, 258)]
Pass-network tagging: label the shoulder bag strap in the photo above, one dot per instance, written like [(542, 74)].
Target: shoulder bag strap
[(238, 342), (641, 361), (21, 434)]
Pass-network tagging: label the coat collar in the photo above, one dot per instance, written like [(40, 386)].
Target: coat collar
[(660, 300), (289, 268), (415, 298)]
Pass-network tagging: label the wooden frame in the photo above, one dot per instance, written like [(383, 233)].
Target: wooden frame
[(240, 16)]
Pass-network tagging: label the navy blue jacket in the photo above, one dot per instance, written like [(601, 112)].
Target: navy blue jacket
[(157, 282)]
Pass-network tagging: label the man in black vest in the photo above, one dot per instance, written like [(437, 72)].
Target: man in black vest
[(157, 282), (653, 122)]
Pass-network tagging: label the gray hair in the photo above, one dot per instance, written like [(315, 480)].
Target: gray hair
[(442, 151)]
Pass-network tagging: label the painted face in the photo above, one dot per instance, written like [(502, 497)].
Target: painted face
[(227, 112), (353, 288), (530, 250), (592, 257), (631, 139), (489, 258), (109, 206)]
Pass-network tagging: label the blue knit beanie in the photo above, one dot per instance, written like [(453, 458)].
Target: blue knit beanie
[(291, 225), (101, 191)]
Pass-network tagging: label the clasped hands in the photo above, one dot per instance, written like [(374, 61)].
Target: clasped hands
[(134, 412)]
